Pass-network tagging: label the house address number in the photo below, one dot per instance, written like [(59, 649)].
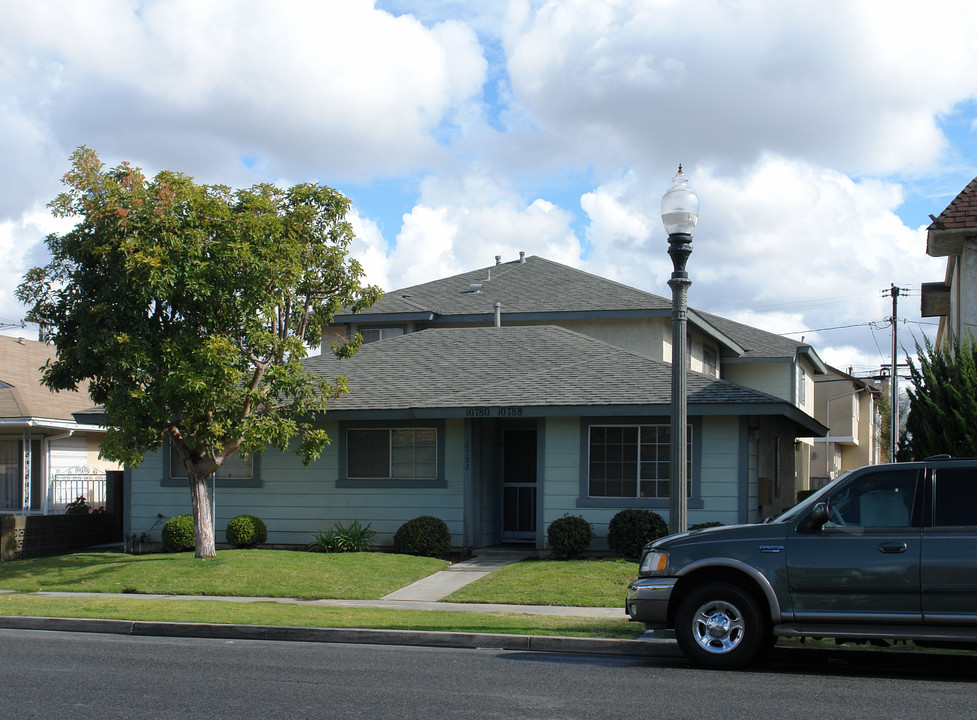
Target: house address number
[(493, 412)]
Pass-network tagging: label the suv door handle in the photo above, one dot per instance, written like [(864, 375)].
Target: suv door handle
[(894, 548)]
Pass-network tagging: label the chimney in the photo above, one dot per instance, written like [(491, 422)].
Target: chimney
[(498, 314)]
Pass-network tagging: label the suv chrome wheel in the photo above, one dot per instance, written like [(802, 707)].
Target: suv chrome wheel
[(719, 625)]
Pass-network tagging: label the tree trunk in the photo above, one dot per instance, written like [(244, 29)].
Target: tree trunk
[(203, 522)]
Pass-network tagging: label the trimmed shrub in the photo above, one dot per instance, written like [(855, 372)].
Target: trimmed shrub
[(569, 536), (633, 528), (245, 531), (178, 533), (426, 536)]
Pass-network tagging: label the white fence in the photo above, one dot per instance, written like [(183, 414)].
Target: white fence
[(67, 486)]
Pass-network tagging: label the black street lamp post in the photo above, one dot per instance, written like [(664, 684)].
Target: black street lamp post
[(680, 212)]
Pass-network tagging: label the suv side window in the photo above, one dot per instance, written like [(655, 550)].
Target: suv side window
[(956, 497), (880, 499)]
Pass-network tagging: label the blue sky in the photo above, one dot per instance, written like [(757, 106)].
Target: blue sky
[(818, 135)]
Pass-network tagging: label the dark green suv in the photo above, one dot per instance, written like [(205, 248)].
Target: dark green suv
[(883, 552)]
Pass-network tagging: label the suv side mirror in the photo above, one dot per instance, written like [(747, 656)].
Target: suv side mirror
[(819, 516)]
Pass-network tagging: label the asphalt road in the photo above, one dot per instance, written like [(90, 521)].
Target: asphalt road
[(77, 675)]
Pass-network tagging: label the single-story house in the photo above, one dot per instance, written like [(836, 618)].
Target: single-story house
[(47, 458), (505, 398)]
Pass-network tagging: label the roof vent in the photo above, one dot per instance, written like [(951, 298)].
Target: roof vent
[(475, 287), (498, 259), (522, 256)]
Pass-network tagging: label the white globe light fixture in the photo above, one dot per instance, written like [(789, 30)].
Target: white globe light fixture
[(680, 206)]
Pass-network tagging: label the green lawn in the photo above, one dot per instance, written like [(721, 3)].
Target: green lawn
[(304, 575), (581, 583), (253, 573), (268, 613)]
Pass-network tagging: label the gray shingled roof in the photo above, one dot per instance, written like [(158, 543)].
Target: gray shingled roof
[(535, 286), (542, 287), (20, 369), (526, 366), (757, 343)]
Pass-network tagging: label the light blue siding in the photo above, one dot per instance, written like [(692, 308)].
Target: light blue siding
[(295, 501)]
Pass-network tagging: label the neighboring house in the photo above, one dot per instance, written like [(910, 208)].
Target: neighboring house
[(47, 458), (953, 235), (849, 407), (507, 397)]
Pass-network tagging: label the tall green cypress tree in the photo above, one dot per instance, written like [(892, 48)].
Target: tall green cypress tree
[(943, 400)]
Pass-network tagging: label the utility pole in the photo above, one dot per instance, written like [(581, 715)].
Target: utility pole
[(894, 292)]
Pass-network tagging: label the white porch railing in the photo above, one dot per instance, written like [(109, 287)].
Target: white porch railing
[(68, 485)]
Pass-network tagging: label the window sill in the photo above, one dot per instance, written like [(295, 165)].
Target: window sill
[(390, 483), (658, 503)]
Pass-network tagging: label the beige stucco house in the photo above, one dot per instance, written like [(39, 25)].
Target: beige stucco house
[(47, 458)]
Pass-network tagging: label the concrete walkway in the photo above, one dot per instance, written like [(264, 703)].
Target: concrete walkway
[(441, 584)]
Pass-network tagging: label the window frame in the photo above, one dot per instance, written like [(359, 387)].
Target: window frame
[(344, 481), (584, 499), (400, 330), (170, 480)]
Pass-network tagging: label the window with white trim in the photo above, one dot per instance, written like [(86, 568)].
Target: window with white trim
[(801, 386), (633, 461), (710, 361), (408, 453), (377, 334)]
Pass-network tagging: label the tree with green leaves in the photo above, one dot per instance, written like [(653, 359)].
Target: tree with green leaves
[(942, 401), (188, 308)]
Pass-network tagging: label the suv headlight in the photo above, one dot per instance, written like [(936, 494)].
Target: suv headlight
[(654, 562)]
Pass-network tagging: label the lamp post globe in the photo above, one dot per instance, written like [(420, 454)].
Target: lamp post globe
[(680, 206), (680, 213)]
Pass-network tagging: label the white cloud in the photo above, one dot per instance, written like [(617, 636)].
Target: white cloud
[(340, 89), (786, 247), (462, 223), (849, 84), (22, 247)]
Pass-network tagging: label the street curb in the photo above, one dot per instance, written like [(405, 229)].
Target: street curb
[(289, 633)]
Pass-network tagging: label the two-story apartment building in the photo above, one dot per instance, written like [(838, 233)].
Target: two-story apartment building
[(849, 407), (504, 398)]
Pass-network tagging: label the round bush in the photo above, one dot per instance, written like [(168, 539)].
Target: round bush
[(633, 528), (569, 536), (426, 535), (245, 531), (178, 533)]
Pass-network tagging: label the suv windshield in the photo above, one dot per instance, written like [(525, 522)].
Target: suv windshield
[(810, 500)]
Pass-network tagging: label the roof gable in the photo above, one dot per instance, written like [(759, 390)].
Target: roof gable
[(961, 213), (535, 286)]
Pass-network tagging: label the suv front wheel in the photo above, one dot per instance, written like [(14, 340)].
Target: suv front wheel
[(720, 626)]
